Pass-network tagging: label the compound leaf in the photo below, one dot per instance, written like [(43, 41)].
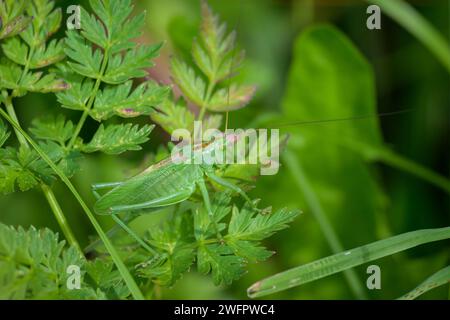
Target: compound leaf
[(116, 139), (125, 103)]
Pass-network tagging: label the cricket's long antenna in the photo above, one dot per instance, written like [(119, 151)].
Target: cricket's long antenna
[(368, 116), (238, 21)]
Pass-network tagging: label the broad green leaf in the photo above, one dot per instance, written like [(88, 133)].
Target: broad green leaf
[(329, 79), (116, 139), (345, 260)]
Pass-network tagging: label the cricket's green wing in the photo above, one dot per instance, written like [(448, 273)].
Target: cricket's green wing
[(158, 186)]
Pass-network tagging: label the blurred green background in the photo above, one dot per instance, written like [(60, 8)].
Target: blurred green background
[(319, 76)]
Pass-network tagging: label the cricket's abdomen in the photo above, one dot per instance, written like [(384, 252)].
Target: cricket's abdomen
[(149, 186)]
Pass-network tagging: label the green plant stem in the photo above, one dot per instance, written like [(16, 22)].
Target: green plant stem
[(91, 100), (405, 15), (12, 114), (209, 91), (54, 205), (49, 195), (316, 208), (129, 281), (395, 160)]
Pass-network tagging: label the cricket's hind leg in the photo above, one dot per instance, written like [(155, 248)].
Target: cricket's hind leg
[(133, 234)]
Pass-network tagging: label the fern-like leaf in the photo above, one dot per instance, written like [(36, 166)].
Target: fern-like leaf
[(116, 139)]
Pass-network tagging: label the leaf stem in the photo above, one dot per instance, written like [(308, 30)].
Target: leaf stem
[(90, 101), (131, 284), (316, 209), (59, 215), (209, 91)]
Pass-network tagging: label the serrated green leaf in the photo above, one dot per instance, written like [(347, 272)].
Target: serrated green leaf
[(46, 55), (248, 250), (114, 30), (53, 128), (15, 26), (220, 260), (220, 207), (172, 115), (77, 96), (116, 139), (88, 61), (250, 225), (22, 169), (123, 102), (15, 50), (214, 51), (232, 98), (12, 77), (33, 265), (46, 22), (192, 86), (167, 269), (122, 68)]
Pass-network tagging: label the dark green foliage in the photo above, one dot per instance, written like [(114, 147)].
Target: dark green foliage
[(188, 237)]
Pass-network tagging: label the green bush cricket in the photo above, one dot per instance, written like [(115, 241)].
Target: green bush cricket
[(168, 182)]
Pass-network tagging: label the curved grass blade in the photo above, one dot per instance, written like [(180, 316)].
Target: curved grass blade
[(405, 15), (128, 279), (438, 279), (342, 261)]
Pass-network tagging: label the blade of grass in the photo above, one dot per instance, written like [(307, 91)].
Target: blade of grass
[(342, 261), (62, 221), (405, 15), (294, 166), (48, 193), (438, 279), (129, 281)]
